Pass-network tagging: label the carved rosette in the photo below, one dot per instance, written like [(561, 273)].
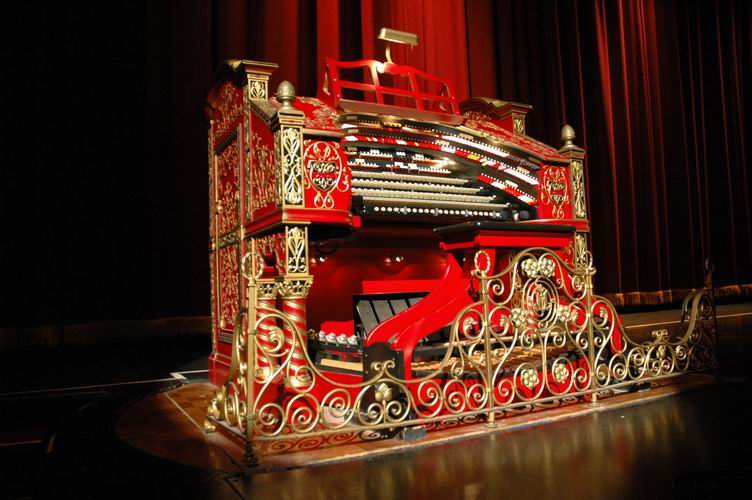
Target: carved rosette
[(264, 180), (554, 191), (577, 175), (229, 198), (228, 286), (324, 172), (291, 144)]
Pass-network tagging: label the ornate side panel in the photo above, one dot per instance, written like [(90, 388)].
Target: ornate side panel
[(227, 143), (228, 189), (228, 113), (554, 194), (228, 207), (229, 268), (213, 241), (262, 192), (327, 178)]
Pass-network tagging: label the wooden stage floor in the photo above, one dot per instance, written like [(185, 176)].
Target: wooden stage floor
[(169, 425)]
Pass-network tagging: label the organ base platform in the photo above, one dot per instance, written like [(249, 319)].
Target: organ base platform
[(143, 426)]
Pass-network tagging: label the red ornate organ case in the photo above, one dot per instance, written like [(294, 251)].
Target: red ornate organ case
[(362, 205)]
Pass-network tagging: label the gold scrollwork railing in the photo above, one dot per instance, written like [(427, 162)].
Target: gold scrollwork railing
[(535, 336)]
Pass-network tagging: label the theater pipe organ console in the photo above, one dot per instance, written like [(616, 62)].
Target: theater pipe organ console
[(346, 233)]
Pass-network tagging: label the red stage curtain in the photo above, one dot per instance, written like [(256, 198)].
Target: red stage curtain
[(655, 91), (105, 190)]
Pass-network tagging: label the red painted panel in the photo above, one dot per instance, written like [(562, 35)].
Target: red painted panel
[(327, 176), (364, 269), (554, 193), (399, 286)]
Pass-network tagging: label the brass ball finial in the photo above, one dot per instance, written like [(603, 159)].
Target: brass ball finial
[(567, 135), (285, 94)]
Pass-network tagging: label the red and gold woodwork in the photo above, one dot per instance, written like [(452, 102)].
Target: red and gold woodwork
[(282, 166), (411, 257)]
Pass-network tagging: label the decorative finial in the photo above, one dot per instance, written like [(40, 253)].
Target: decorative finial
[(286, 94), (567, 136)]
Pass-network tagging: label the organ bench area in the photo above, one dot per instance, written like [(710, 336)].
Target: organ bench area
[(358, 212)]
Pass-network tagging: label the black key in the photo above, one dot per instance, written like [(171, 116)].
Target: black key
[(367, 316), (383, 311), (398, 305)]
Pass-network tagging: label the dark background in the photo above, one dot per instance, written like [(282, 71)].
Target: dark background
[(104, 168)]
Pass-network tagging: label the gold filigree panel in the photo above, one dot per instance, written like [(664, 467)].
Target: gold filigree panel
[(291, 144), (582, 257), (257, 89), (297, 250), (577, 174), (518, 123)]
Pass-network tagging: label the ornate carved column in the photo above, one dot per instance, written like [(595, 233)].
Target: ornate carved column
[(293, 288), (294, 281), (576, 157)]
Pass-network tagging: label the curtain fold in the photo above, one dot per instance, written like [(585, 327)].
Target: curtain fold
[(106, 180), (655, 90)]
